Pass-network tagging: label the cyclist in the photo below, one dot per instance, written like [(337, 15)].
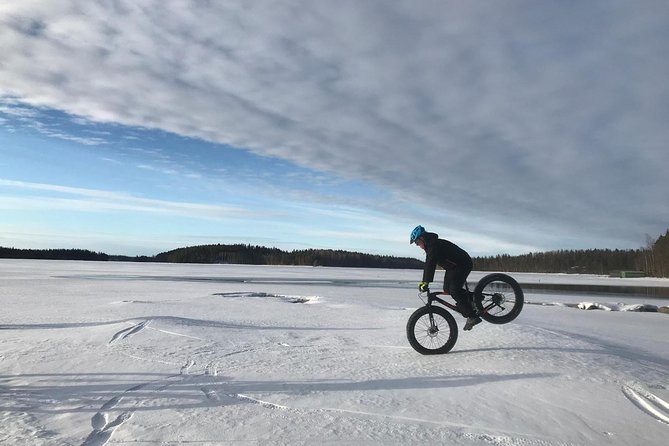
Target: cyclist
[(458, 265)]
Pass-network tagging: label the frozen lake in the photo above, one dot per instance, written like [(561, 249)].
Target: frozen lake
[(637, 289), (128, 353)]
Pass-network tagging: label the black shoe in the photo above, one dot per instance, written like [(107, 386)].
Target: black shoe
[(471, 321)]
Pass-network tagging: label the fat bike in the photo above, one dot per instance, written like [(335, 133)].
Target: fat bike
[(432, 330)]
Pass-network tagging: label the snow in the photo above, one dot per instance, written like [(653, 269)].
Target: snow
[(129, 353)]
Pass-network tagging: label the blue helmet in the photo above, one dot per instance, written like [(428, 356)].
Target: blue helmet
[(417, 233)]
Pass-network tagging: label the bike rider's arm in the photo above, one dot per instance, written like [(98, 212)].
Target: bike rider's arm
[(430, 267)]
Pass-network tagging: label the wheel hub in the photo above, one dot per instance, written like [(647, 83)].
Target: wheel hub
[(498, 298)]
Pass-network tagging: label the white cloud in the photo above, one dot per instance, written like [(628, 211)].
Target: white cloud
[(54, 133), (20, 112), (50, 197), (524, 117)]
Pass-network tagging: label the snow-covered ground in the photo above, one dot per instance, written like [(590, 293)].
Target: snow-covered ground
[(129, 353)]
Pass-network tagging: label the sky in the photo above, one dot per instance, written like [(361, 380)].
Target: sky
[(506, 127)]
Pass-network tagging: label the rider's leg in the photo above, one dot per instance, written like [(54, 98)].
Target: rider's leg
[(467, 296), (460, 278), (454, 281)]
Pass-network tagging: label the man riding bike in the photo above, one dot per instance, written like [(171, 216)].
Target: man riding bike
[(458, 265)]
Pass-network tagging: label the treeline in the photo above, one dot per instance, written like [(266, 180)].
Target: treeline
[(591, 261), (652, 260), (52, 254), (260, 255)]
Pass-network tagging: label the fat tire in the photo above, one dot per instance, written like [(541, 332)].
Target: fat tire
[(518, 298), (438, 313)]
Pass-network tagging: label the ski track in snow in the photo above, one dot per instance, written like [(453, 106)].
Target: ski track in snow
[(130, 331), (460, 430), (648, 402), (103, 429)]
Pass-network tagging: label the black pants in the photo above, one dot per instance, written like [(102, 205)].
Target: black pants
[(454, 282)]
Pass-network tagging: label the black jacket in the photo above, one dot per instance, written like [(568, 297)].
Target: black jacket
[(443, 253)]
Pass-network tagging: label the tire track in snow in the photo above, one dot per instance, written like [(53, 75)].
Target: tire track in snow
[(648, 402), (211, 394), (130, 331), (185, 369), (262, 403), (103, 429), (497, 437)]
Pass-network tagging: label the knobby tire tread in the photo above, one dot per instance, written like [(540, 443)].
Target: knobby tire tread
[(438, 312), (519, 298)]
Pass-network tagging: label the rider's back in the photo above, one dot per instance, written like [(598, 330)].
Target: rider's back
[(443, 252)]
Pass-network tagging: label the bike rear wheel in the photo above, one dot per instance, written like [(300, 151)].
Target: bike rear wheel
[(499, 298), (432, 339)]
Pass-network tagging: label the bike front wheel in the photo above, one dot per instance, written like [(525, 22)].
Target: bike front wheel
[(499, 298), (432, 337)]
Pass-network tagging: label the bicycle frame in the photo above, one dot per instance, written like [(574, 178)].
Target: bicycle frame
[(434, 296)]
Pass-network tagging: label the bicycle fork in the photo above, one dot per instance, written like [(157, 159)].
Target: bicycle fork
[(433, 330)]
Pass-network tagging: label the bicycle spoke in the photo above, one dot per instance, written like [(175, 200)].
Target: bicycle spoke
[(429, 336), (498, 298)]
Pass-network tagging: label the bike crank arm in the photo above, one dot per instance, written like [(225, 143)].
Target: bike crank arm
[(491, 306)]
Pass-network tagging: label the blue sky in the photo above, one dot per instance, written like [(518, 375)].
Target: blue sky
[(507, 127)]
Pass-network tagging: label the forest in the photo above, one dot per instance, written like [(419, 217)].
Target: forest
[(232, 254), (52, 254), (260, 255), (652, 260)]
